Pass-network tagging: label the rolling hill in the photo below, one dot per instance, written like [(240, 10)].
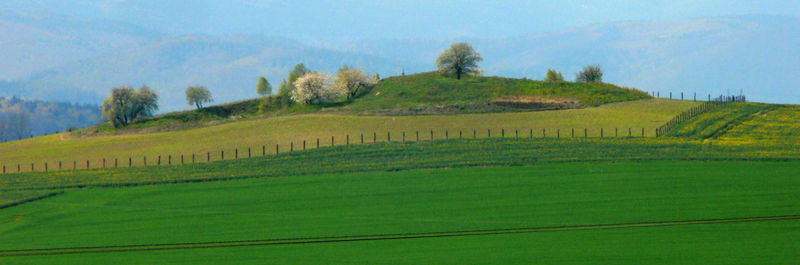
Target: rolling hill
[(704, 55)]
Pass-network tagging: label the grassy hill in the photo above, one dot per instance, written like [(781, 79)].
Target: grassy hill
[(426, 93), (432, 90), (672, 200), (283, 130)]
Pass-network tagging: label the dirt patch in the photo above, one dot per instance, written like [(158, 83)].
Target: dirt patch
[(536, 103)]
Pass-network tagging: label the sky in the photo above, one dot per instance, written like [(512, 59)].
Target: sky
[(326, 20)]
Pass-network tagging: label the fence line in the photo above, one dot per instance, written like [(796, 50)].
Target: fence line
[(696, 111), (295, 145), (662, 130)]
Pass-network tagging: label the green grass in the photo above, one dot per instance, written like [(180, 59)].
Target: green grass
[(558, 194), (402, 156), (718, 122), (778, 125), (432, 89), (285, 129)]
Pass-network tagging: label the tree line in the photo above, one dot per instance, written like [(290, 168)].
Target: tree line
[(21, 118), (308, 87)]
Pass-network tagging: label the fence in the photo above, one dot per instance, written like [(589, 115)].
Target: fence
[(322, 142), (696, 111)]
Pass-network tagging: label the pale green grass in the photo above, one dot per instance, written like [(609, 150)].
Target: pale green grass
[(647, 114)]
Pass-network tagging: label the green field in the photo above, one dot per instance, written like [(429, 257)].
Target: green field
[(647, 114), (722, 188), (432, 201)]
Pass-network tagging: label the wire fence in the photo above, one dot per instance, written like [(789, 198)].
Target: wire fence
[(696, 111), (322, 142)]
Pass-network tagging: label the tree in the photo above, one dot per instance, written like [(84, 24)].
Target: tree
[(298, 71), (126, 104), (460, 59), (286, 87), (263, 88), (197, 95), (554, 76), (591, 73), (315, 88), (352, 81)]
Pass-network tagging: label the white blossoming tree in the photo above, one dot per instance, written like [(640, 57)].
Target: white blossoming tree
[(352, 81), (315, 88)]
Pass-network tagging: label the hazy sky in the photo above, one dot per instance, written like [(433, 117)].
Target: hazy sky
[(351, 19)]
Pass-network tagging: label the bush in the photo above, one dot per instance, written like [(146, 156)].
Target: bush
[(554, 76), (591, 73)]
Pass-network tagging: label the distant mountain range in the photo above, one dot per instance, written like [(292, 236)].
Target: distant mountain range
[(60, 58)]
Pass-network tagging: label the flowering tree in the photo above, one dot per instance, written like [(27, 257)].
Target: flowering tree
[(352, 81), (315, 88)]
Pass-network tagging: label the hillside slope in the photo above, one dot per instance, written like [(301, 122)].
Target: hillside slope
[(640, 114), (434, 90)]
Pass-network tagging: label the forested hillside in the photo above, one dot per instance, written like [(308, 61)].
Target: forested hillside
[(21, 118)]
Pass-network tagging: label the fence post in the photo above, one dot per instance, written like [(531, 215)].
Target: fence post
[(489, 132), (291, 147), (277, 148), (169, 160), (431, 135), (585, 133), (59, 166), (75, 164), (332, 142), (502, 133), (45, 167), (304, 145), (4, 169), (159, 160), (104, 163), (388, 136), (573, 132), (192, 158), (530, 134), (32, 169), (115, 163), (19, 168), (222, 154), (516, 133), (544, 132), (460, 134), (249, 154), (642, 132), (446, 134), (208, 156), (87, 164), (404, 136), (236, 153), (317, 142), (601, 132), (263, 150), (362, 138), (374, 137)]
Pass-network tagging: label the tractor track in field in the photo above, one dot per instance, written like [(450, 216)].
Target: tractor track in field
[(376, 237)]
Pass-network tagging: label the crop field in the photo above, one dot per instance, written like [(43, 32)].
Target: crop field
[(656, 212), (638, 115)]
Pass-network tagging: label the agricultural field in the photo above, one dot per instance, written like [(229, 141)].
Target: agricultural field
[(615, 119), (656, 212)]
